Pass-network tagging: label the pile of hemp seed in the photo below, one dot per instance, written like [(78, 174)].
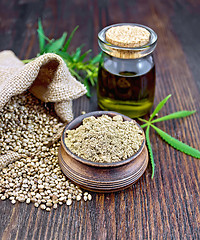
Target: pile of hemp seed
[(26, 127)]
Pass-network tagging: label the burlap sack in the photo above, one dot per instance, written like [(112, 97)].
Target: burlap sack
[(47, 77)]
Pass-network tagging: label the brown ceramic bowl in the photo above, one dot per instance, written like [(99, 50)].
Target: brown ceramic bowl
[(101, 177)]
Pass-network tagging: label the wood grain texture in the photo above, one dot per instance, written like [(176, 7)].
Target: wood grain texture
[(167, 207)]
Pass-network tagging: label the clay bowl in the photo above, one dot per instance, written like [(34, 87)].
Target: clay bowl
[(101, 177)]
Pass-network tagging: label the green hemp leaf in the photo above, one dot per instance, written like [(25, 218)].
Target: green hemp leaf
[(166, 137), (85, 71)]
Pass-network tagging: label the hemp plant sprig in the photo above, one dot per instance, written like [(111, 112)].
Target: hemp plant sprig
[(166, 137), (85, 71)]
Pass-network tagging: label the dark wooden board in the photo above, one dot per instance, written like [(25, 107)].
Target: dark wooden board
[(166, 207)]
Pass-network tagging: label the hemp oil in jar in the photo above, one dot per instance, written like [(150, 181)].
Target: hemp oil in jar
[(126, 78)]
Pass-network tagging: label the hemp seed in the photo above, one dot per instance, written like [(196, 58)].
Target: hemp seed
[(26, 125)]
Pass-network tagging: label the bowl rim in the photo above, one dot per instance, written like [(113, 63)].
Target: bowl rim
[(78, 121)]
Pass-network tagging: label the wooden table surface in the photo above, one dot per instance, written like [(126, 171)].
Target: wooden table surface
[(166, 207)]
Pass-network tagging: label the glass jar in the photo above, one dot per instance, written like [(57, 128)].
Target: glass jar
[(126, 78)]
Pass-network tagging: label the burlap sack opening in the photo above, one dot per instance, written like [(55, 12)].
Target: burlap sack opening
[(43, 79), (48, 78)]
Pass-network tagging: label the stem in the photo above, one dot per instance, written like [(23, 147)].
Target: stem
[(144, 125), (143, 120), (28, 60)]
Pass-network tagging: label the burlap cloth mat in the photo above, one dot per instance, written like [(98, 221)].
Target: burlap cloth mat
[(47, 77)]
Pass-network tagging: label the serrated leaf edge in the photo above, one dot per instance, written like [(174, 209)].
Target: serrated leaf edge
[(159, 107), (177, 144), (150, 151), (175, 115)]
